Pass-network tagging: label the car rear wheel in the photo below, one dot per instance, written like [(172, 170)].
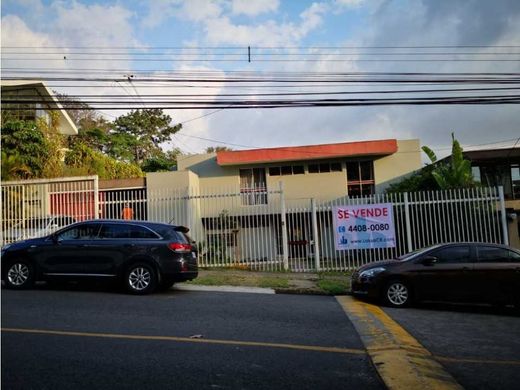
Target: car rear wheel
[(140, 278), (397, 294), (19, 275)]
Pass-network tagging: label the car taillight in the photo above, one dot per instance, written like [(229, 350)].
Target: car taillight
[(179, 248)]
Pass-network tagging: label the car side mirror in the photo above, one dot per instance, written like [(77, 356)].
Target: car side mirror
[(54, 238), (429, 260)]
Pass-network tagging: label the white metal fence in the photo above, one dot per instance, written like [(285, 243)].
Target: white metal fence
[(265, 234)]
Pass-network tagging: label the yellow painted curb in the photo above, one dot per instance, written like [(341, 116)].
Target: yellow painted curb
[(401, 361)]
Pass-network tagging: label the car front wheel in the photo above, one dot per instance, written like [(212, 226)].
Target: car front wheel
[(397, 294), (140, 278), (19, 275)]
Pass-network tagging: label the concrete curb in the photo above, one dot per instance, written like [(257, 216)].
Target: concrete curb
[(237, 289)]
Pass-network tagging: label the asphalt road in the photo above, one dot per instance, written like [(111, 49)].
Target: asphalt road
[(481, 344), (77, 359)]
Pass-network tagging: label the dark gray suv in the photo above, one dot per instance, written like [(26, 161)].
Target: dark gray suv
[(144, 256)]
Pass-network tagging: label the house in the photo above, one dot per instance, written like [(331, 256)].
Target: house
[(31, 99), (230, 197), (324, 172), (501, 167)]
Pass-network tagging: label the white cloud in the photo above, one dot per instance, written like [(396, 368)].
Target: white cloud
[(193, 10), (349, 3), (93, 25), (254, 7), (270, 33)]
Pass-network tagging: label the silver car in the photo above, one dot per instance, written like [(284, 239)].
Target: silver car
[(36, 227)]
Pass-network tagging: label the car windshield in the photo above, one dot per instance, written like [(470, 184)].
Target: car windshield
[(416, 253)]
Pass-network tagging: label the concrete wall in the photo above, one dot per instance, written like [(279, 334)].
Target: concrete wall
[(395, 167), (298, 188)]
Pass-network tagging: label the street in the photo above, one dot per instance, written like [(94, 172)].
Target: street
[(82, 361), (99, 338), (478, 345)]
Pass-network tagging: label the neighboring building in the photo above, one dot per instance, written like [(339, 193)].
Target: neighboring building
[(498, 167), (31, 99), (501, 167)]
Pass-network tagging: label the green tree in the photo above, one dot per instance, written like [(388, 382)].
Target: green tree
[(164, 162), (421, 180), (92, 127), (31, 149), (142, 132), (214, 149), (453, 173), (83, 160)]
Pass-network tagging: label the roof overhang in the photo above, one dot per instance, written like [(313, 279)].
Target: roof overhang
[(310, 152), (66, 125)]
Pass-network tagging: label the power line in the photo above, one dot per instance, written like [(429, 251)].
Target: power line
[(266, 47), (290, 148)]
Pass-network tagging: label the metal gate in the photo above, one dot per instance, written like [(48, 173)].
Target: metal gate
[(252, 228), (33, 208)]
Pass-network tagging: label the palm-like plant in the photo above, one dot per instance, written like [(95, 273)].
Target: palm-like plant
[(455, 173)]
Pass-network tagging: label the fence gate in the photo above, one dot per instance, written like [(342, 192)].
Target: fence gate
[(33, 208)]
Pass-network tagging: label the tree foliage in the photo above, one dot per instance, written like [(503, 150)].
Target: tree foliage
[(165, 162), (453, 173), (214, 149), (31, 149), (141, 132), (421, 180), (83, 160)]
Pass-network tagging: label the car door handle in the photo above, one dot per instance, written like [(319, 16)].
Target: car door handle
[(517, 269), (465, 269), (129, 245)]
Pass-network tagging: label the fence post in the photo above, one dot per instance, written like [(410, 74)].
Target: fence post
[(285, 243), (503, 217), (96, 197), (315, 234), (407, 222)]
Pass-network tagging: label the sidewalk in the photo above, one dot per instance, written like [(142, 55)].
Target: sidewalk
[(281, 282)]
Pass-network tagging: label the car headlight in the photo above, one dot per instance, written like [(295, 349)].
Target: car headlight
[(370, 273)]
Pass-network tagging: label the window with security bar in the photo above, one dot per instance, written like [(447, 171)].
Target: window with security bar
[(253, 187), (360, 178)]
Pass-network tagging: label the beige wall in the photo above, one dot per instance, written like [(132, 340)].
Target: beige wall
[(209, 177), (393, 168)]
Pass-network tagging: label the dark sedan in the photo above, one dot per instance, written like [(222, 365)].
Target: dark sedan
[(463, 272), (145, 256)]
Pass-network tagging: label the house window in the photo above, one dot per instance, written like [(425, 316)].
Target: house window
[(274, 171), (360, 178), (325, 167), (494, 175), (286, 170), (515, 180), (475, 171), (253, 188)]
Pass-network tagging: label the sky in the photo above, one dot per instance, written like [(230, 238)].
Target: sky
[(291, 25)]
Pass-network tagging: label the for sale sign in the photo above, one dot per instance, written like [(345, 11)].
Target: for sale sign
[(364, 226)]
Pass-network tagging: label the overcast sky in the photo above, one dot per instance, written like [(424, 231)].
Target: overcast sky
[(290, 23)]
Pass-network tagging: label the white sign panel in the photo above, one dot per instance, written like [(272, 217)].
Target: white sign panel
[(364, 226)]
